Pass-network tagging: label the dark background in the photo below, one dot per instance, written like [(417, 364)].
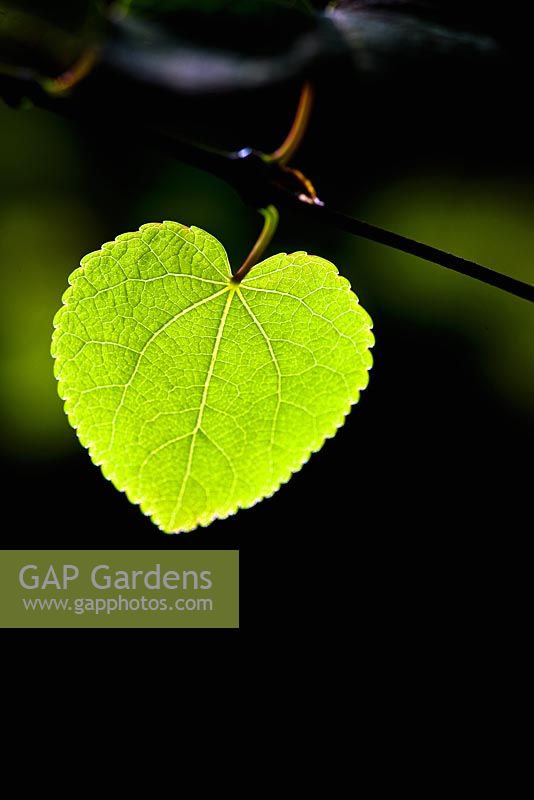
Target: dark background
[(421, 503)]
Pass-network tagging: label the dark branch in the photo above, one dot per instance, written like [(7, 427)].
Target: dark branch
[(113, 85), (261, 184), (398, 242)]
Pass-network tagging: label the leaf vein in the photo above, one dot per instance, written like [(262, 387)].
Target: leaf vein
[(202, 406), (149, 342), (277, 368)]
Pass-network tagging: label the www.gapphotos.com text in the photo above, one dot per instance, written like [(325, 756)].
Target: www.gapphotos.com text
[(113, 605)]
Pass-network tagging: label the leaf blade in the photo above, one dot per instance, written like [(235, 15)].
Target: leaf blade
[(198, 396)]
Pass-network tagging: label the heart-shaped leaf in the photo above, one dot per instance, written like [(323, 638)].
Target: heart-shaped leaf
[(197, 395)]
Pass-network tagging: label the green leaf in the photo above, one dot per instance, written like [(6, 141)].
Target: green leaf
[(196, 395)]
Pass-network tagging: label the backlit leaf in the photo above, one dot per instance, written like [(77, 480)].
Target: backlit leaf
[(196, 395)]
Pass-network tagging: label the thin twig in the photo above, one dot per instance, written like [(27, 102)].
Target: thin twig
[(396, 241)]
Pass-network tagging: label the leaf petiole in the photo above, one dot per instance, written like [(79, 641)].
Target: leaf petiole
[(270, 224), (73, 76), (283, 154)]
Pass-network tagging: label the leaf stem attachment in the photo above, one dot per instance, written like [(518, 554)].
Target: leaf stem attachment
[(270, 224)]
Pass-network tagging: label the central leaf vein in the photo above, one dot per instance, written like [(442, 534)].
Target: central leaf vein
[(231, 291)]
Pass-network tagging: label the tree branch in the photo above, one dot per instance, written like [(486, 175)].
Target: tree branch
[(327, 216), (261, 182)]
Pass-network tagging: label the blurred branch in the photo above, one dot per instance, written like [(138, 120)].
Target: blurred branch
[(178, 51), (44, 39), (138, 56)]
